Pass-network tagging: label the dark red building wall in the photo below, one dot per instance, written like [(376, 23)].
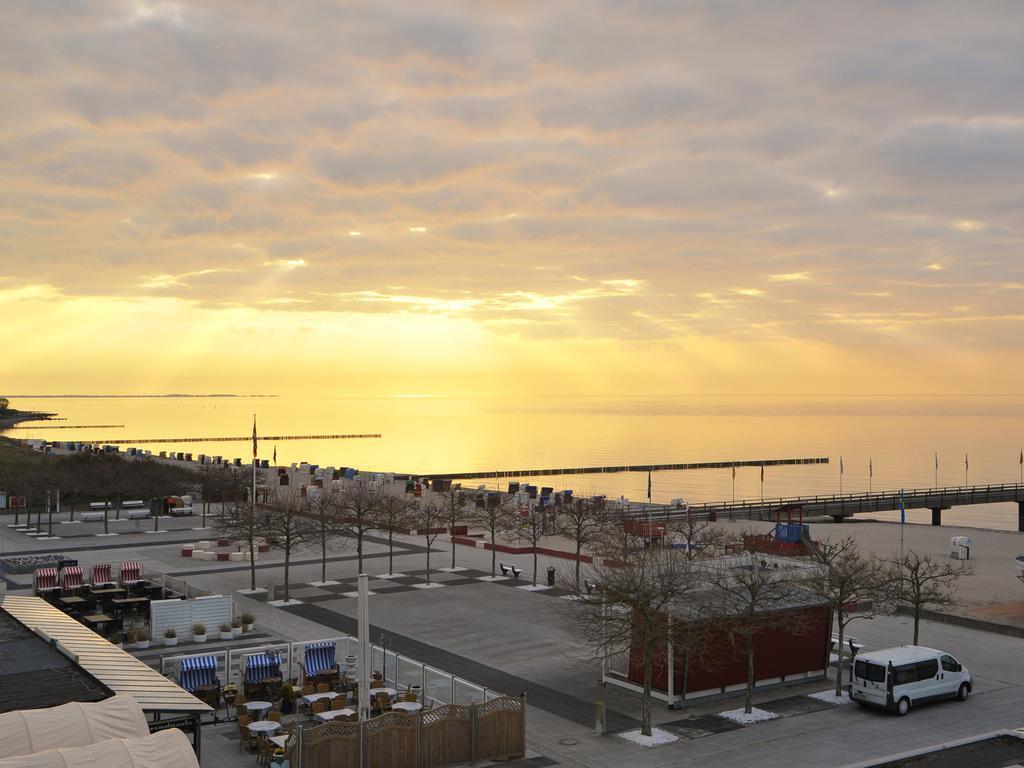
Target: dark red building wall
[(799, 645)]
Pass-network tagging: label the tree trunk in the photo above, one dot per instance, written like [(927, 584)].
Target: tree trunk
[(106, 520), (535, 565), (287, 565), (494, 555), (917, 622), (579, 550), (839, 662), (428, 561), (645, 700), (323, 551), (391, 551), (252, 564), (451, 536), (359, 550), (748, 704)]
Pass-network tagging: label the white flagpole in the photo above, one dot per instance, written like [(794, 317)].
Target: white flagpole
[(364, 647)]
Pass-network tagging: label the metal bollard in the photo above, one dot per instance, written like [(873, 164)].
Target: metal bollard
[(600, 718)]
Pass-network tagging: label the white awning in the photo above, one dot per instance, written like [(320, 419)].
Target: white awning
[(77, 724), (165, 749), (118, 670)]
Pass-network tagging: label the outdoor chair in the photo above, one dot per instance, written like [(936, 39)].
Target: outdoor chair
[(409, 696), (307, 689), (320, 705), (377, 684), (274, 716), (323, 688), (383, 702), (339, 703), (267, 748), (244, 736)]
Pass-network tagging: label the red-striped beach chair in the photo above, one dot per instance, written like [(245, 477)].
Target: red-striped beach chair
[(71, 578), (131, 573), (44, 580), (101, 575)]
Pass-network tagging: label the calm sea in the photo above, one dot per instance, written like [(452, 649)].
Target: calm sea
[(899, 436)]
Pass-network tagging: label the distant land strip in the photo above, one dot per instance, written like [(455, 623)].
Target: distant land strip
[(109, 397), (78, 426), (624, 468), (242, 439)]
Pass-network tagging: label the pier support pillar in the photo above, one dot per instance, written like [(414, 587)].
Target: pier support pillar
[(937, 516), (1020, 516)]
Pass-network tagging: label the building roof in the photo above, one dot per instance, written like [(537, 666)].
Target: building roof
[(119, 671), (33, 674)]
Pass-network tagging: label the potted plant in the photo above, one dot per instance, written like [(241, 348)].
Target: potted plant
[(170, 637), (131, 637), (236, 627), (198, 633), (287, 699), (225, 631), (248, 621), (142, 639)]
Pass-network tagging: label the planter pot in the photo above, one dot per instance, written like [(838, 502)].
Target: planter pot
[(249, 627), (226, 635), (170, 641), (198, 638), (236, 631), (287, 707), (142, 645)]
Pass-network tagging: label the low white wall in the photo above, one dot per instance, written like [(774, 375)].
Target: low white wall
[(210, 611)]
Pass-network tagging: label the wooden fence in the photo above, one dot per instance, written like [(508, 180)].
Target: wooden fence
[(445, 735)]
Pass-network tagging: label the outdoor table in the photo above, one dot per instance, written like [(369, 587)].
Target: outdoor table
[(408, 706), (258, 706), (108, 591), (97, 618), (309, 698), (333, 713), (389, 691), (129, 600), (73, 600), (278, 741), (264, 726)]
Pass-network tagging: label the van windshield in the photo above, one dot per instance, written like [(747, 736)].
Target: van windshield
[(865, 670)]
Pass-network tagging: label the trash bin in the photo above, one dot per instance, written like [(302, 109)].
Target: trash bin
[(551, 576)]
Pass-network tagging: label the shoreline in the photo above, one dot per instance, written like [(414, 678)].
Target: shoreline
[(14, 417)]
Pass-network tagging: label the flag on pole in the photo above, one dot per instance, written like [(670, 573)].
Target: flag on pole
[(275, 455), (936, 461), (871, 469), (903, 511), (254, 435), (648, 485), (734, 468), (1022, 458), (841, 465), (762, 473), (966, 465)]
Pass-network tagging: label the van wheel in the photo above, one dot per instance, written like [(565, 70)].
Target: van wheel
[(903, 706), (964, 692)]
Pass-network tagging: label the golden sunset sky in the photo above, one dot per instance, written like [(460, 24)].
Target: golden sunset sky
[(499, 197)]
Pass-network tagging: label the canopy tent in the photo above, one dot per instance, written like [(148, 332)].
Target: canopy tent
[(77, 724), (196, 671), (262, 666), (320, 657), (164, 749)]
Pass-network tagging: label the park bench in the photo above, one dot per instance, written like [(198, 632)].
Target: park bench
[(134, 504), (100, 505), (92, 516), (138, 514), (507, 568)]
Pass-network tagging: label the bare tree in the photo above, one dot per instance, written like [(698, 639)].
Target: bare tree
[(453, 499), (701, 538), (428, 518), (290, 524), (852, 585), (247, 523), (360, 501), (496, 520), (582, 521), (392, 514), (328, 527), (753, 596), (628, 607), (532, 528), (917, 583)]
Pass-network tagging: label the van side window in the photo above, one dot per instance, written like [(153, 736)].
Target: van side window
[(904, 674), (927, 669), (949, 663)]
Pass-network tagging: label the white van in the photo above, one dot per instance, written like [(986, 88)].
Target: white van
[(898, 678)]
